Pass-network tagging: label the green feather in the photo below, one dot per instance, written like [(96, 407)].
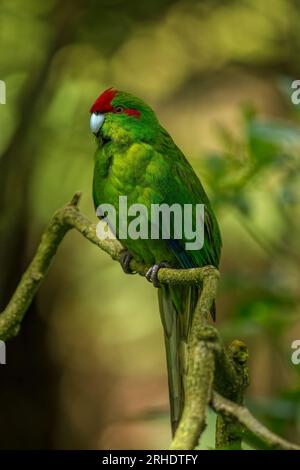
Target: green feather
[(141, 161)]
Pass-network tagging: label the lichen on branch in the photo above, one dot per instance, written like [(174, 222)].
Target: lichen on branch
[(216, 377)]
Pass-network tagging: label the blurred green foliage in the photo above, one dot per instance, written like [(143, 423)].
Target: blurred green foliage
[(88, 368)]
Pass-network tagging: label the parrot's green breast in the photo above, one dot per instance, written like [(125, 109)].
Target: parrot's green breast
[(132, 172)]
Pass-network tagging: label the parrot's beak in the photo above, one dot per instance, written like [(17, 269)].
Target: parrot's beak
[(96, 122)]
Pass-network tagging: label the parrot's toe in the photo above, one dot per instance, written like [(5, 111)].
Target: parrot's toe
[(125, 259), (152, 273)]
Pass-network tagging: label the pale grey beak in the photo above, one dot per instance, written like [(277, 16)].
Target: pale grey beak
[(96, 122)]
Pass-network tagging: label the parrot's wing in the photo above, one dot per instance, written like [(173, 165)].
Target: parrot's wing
[(187, 182), (177, 183)]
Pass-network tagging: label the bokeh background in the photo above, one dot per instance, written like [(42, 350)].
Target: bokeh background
[(88, 369)]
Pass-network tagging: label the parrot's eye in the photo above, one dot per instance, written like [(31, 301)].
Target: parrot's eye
[(119, 109)]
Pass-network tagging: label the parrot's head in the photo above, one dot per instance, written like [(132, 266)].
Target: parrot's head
[(122, 118)]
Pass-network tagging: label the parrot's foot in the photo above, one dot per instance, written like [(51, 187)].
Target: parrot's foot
[(151, 274), (125, 259)]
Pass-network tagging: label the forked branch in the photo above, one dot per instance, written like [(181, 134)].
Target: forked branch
[(212, 370)]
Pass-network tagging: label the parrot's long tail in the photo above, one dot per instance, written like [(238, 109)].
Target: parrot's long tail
[(177, 305)]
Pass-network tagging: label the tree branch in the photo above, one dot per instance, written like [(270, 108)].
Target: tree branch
[(232, 382), (230, 409), (197, 396), (209, 364), (201, 366), (63, 220)]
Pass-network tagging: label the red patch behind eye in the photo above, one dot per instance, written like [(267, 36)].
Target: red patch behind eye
[(132, 112), (103, 102)]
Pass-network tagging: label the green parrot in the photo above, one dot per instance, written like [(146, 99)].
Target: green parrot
[(137, 158)]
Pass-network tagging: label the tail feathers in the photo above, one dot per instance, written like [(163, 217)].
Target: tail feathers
[(169, 318), (176, 305)]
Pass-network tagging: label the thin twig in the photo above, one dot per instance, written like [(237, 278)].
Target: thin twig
[(230, 409)]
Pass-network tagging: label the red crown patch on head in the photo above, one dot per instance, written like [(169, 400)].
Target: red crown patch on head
[(103, 102)]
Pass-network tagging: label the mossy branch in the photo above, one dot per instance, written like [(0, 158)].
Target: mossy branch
[(216, 376), (63, 220), (229, 409)]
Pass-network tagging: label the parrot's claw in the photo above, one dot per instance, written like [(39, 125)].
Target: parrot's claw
[(125, 259), (151, 274)]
